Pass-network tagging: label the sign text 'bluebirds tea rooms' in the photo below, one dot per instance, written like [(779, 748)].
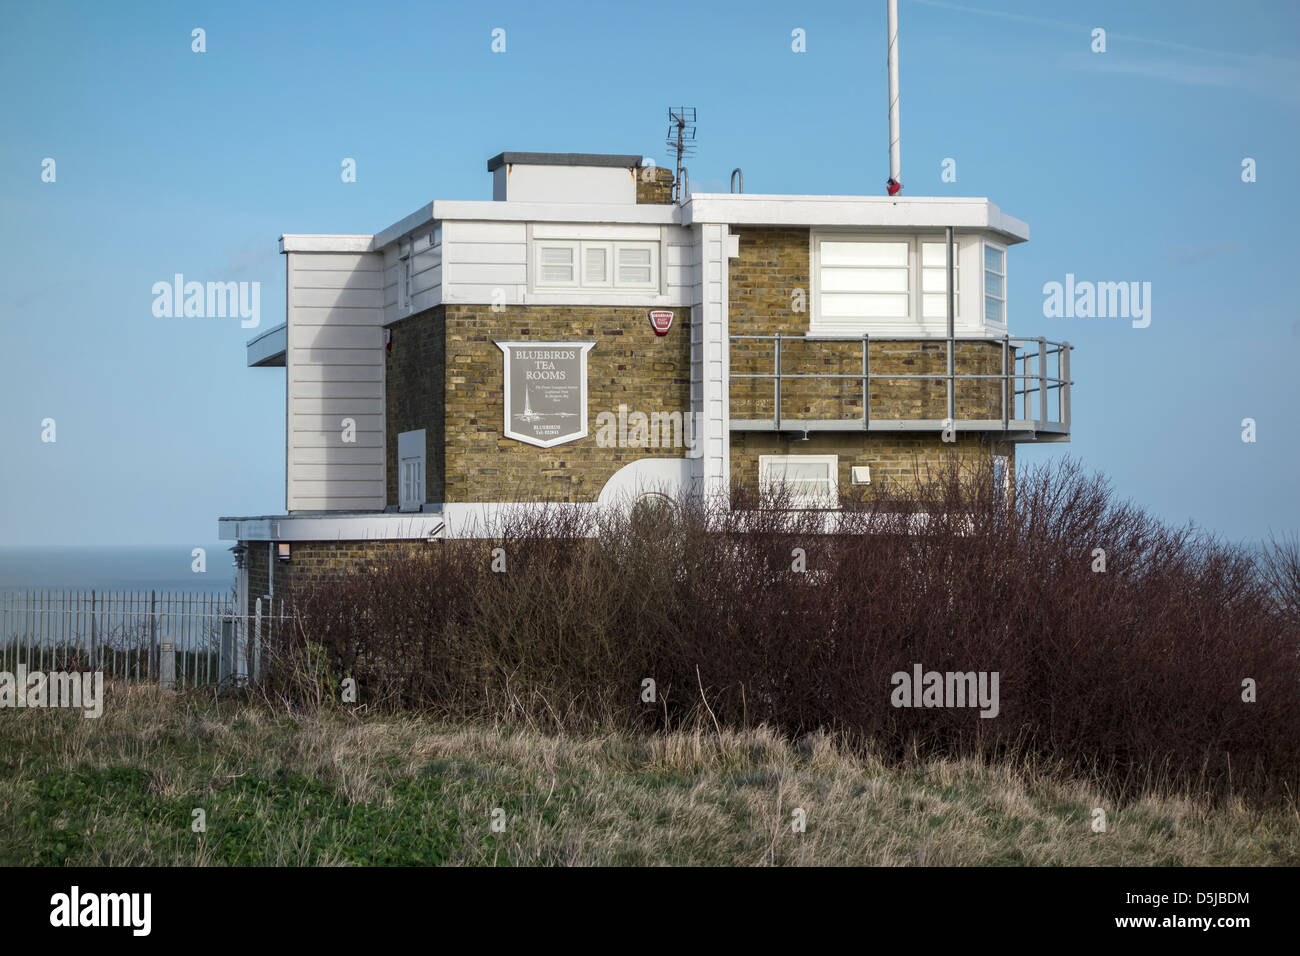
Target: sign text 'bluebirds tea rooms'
[(546, 391)]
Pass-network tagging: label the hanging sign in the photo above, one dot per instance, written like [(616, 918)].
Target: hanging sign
[(545, 391)]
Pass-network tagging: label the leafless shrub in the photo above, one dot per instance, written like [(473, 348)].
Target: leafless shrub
[(1132, 674)]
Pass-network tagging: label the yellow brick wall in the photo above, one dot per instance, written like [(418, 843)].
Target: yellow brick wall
[(769, 292), (898, 462), (654, 185), (770, 289), (415, 396), (445, 375), (629, 365), (314, 561)]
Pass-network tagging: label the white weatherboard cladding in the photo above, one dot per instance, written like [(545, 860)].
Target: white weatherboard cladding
[(485, 262), (488, 262), (710, 359), (335, 370), (422, 255)]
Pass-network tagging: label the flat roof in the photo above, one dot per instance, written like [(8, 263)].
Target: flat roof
[(562, 159), (971, 213), (896, 213)]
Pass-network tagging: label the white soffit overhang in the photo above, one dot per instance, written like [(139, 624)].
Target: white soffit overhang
[(863, 212), (304, 243), (583, 212), (268, 349), (495, 211), (371, 526)]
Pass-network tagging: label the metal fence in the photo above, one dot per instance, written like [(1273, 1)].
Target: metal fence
[(1033, 381), (181, 639)]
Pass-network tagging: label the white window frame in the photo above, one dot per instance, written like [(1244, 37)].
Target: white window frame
[(404, 273), (942, 243), (608, 281), (613, 249), (915, 320), (827, 499), (575, 250), (816, 325), (985, 245), (653, 266), (411, 470)]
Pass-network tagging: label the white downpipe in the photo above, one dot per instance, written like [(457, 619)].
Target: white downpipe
[(895, 153)]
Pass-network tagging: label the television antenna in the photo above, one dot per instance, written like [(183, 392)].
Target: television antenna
[(681, 138)]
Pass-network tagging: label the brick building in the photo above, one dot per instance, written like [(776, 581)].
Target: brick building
[(585, 336)]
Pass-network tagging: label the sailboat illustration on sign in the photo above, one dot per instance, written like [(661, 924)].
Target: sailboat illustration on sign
[(529, 415), (552, 377)]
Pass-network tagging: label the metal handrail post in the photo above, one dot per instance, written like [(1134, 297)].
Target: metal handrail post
[(1042, 381), (1064, 364), (866, 388), (952, 329), (1006, 380), (776, 411)]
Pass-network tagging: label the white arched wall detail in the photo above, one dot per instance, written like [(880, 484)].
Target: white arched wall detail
[(666, 476)]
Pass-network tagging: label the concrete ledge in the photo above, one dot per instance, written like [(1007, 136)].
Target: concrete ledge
[(562, 159), (370, 526)]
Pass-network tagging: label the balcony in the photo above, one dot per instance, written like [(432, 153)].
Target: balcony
[(1017, 388)]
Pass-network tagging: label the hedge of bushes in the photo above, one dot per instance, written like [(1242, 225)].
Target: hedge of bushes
[(1129, 666)]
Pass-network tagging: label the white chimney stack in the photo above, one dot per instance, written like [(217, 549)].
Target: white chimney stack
[(895, 158)]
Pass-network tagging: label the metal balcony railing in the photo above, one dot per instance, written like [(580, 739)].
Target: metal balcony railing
[(1031, 397)]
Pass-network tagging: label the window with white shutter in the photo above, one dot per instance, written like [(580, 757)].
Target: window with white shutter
[(596, 258), (995, 281), (404, 282), (861, 280), (574, 264), (884, 284), (636, 266), (934, 282), (800, 481), (557, 264)]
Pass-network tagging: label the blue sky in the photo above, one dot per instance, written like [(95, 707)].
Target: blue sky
[(1126, 164)]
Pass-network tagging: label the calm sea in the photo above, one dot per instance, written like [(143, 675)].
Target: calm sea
[(116, 569)]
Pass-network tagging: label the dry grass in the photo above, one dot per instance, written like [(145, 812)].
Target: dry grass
[(334, 788), (1134, 678)]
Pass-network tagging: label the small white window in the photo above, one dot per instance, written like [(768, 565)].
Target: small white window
[(557, 264), (574, 264), (934, 281), (404, 282), (595, 263), (800, 481), (995, 280), (410, 470), (637, 268), (861, 280)]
